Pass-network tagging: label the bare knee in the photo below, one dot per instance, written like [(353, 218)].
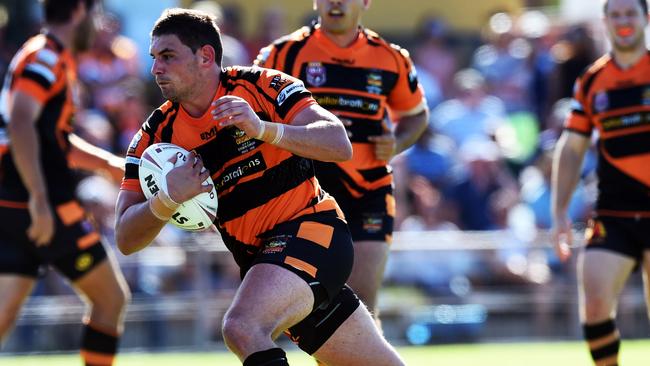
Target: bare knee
[(241, 334), (108, 310), (598, 308)]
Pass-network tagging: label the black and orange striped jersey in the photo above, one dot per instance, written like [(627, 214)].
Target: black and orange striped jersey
[(361, 83), (616, 103), (46, 71), (258, 184)]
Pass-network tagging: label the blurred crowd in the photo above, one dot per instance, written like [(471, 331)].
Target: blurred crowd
[(497, 97)]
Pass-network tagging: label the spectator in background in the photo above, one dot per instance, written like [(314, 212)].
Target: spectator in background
[(434, 60), (472, 114), (504, 62), (272, 26), (484, 189), (111, 61), (229, 22)]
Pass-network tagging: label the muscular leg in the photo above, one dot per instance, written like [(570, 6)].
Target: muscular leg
[(602, 275), (269, 300), (14, 290), (368, 272), (106, 291), (358, 342)]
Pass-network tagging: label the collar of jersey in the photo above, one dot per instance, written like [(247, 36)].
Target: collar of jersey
[(331, 46)]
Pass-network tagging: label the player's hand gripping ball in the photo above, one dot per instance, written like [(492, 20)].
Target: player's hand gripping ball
[(195, 214)]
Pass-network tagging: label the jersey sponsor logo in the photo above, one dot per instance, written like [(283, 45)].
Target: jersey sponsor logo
[(375, 83), (277, 244), (277, 83), (235, 172), (243, 141), (348, 103), (134, 142), (83, 262), (629, 120), (291, 89), (208, 135), (373, 223), (316, 74), (344, 61), (601, 101), (645, 99), (595, 232)]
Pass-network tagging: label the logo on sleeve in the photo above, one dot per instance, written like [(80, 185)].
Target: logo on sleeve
[(277, 83), (134, 142), (293, 88)]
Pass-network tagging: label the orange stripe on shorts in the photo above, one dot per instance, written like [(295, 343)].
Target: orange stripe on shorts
[(316, 232), (88, 240), (70, 212), (301, 265), (95, 358)]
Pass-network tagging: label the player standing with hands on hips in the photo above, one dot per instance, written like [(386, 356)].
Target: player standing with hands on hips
[(41, 221), (255, 131), (612, 96), (365, 81)]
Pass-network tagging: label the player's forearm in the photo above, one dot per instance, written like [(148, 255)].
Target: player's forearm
[(323, 140), (565, 177), (25, 150), (86, 156), (409, 129), (136, 227)]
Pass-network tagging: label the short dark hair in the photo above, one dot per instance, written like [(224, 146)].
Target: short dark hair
[(193, 28), (60, 11), (644, 6)]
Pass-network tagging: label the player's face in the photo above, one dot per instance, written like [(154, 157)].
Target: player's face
[(340, 16), (174, 68), (625, 24)]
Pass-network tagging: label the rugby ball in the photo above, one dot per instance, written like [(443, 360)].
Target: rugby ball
[(195, 214)]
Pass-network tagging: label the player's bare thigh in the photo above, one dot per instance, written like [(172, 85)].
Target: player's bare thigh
[(358, 342), (368, 270), (602, 275), (14, 289), (270, 299)]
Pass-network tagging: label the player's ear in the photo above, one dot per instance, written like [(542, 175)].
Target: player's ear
[(207, 55)]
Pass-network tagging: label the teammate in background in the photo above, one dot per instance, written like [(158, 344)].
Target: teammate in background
[(41, 222), (359, 77), (611, 97), (255, 131)]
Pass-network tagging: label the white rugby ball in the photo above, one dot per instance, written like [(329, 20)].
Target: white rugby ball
[(195, 214)]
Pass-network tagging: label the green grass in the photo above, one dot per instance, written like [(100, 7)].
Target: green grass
[(634, 353)]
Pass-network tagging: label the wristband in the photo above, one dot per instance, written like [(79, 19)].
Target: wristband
[(262, 130), (167, 200), (278, 133), (159, 209)]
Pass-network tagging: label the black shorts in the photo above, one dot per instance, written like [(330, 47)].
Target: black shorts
[(627, 236), (317, 247), (74, 250), (371, 216)]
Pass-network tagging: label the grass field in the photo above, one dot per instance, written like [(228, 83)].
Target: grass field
[(634, 353)]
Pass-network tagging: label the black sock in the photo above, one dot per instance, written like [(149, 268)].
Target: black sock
[(97, 347), (270, 357), (603, 351)]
